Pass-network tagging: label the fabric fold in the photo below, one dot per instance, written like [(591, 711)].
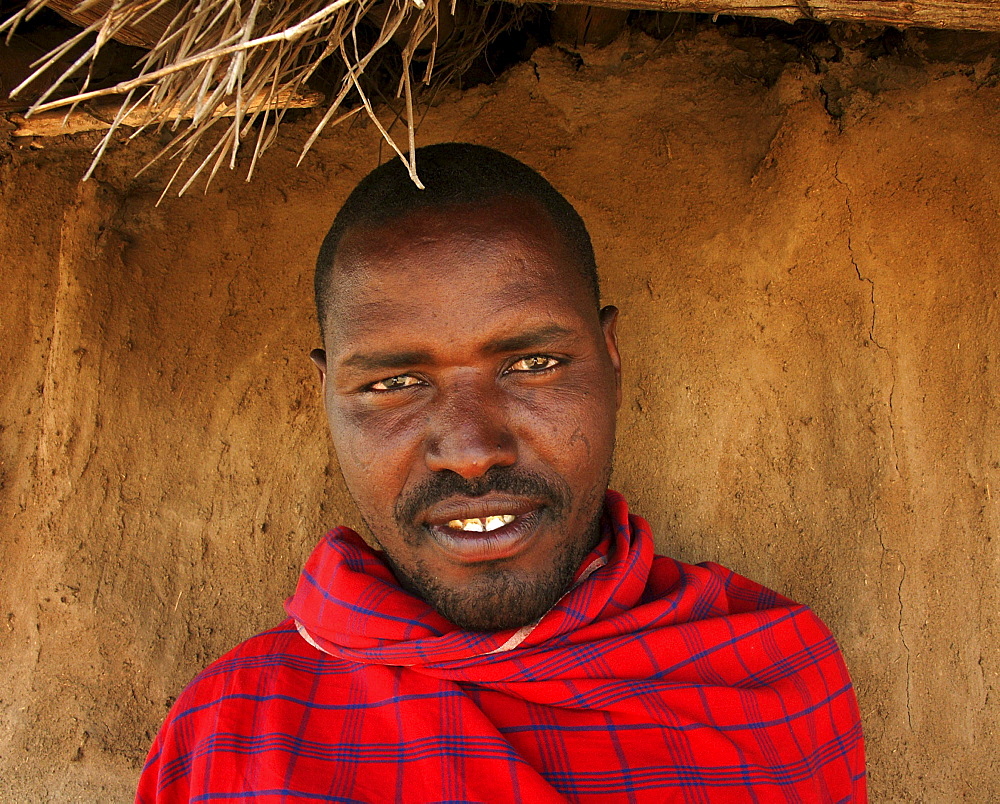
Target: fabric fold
[(650, 680)]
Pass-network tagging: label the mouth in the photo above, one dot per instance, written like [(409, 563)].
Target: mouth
[(484, 529), (486, 524)]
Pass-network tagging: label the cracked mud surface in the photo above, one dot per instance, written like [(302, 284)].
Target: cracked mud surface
[(810, 328)]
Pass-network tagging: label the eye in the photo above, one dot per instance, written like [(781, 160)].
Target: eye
[(394, 383), (534, 363)]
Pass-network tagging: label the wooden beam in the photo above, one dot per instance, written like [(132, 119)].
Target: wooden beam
[(100, 114), (144, 34), (970, 15)]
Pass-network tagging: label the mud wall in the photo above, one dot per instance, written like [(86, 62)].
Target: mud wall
[(810, 329)]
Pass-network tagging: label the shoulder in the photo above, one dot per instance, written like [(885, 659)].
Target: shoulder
[(256, 659), (229, 698), (743, 619), (712, 589), (276, 661)]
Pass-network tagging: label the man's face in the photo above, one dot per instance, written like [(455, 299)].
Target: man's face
[(471, 387)]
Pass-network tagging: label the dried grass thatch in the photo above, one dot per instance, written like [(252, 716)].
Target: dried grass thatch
[(231, 66)]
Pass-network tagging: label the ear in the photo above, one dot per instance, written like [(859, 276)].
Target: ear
[(318, 356), (609, 324)]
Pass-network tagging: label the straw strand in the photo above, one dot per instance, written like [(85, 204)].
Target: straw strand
[(230, 59)]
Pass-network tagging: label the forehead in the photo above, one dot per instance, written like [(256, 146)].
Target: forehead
[(455, 270)]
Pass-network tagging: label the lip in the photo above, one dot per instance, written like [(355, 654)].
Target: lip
[(478, 507), (471, 547)]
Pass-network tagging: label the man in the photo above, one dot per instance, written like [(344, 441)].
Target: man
[(514, 639)]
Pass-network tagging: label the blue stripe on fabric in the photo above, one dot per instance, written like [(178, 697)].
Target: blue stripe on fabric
[(798, 611), (412, 750), (369, 612), (284, 792), (356, 755), (322, 665), (559, 661), (614, 691), (606, 782), (601, 728), (242, 696), (734, 727)]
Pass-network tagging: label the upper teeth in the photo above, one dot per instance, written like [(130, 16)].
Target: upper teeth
[(480, 525)]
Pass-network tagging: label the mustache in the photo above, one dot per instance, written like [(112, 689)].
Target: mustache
[(499, 479)]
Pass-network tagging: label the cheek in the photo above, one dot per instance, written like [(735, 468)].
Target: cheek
[(376, 449), (571, 428)]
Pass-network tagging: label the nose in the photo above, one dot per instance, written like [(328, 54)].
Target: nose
[(468, 431)]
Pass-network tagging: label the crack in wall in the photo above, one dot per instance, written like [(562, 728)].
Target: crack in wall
[(886, 551)]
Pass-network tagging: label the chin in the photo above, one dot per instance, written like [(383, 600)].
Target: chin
[(498, 597), (499, 600)]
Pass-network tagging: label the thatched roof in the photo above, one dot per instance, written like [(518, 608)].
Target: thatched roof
[(235, 67)]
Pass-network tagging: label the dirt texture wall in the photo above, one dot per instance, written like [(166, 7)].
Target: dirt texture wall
[(810, 332)]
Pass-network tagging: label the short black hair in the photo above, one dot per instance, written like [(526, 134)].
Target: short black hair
[(454, 174)]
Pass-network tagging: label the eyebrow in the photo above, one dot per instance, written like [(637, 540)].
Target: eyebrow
[(527, 340), (532, 339), (375, 361)]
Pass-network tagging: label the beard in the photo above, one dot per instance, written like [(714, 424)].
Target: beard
[(499, 597)]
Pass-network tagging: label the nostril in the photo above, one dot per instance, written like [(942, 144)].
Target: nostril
[(470, 452)]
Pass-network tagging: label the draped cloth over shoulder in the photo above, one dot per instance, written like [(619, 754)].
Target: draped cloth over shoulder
[(650, 680)]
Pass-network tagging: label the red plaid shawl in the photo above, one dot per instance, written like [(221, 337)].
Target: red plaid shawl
[(650, 680)]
